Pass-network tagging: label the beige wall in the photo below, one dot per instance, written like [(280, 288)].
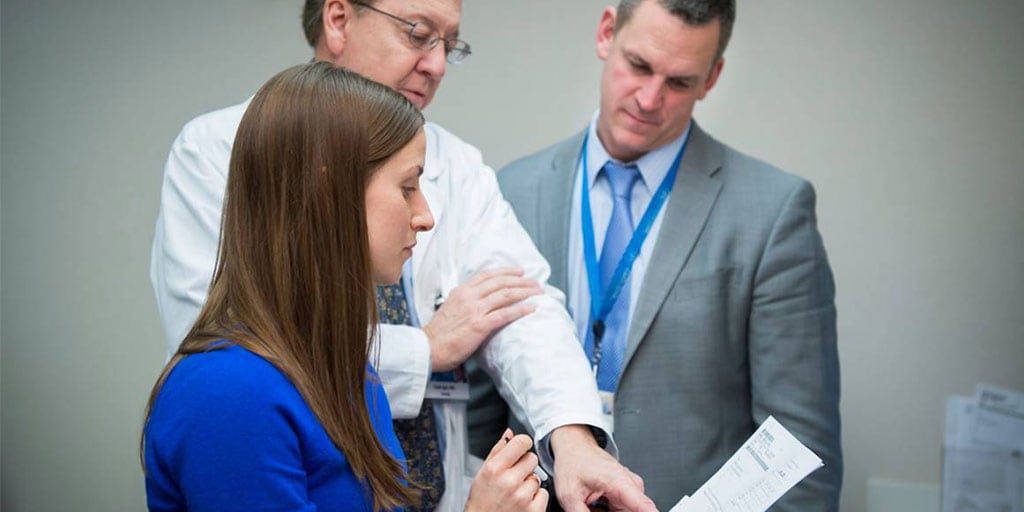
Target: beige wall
[(908, 117)]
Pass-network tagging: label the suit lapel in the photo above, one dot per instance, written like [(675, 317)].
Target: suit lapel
[(554, 208), (693, 196)]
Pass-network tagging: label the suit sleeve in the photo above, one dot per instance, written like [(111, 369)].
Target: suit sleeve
[(536, 362), (794, 363)]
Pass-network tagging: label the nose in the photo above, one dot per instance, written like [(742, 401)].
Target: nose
[(648, 96), (433, 61), (422, 219)]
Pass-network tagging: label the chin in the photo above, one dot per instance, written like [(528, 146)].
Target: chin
[(418, 100), (630, 141), (386, 278), (627, 153)]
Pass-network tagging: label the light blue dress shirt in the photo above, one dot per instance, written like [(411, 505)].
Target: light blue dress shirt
[(653, 168)]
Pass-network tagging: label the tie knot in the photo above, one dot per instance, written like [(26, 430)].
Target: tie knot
[(621, 177)]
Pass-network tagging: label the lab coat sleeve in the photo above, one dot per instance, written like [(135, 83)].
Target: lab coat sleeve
[(537, 361), (403, 363)]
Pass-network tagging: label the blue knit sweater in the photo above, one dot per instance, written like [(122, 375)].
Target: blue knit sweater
[(229, 432)]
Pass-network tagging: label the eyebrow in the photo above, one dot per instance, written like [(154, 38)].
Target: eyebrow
[(636, 59), (419, 18)]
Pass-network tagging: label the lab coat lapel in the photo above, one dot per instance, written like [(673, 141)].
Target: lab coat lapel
[(426, 257)]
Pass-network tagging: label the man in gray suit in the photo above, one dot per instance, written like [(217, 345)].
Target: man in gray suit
[(714, 297)]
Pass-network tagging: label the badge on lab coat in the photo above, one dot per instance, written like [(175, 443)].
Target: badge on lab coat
[(453, 385)]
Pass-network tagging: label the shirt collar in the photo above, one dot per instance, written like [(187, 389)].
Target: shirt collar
[(653, 166)]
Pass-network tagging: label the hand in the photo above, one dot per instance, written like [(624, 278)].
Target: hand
[(506, 481), (475, 309), (584, 473)]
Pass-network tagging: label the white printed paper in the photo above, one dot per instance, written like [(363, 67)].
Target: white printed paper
[(768, 465)]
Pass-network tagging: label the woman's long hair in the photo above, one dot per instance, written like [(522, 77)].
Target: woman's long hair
[(293, 276)]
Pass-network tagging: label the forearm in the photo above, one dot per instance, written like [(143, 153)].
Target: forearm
[(540, 370), (536, 362)]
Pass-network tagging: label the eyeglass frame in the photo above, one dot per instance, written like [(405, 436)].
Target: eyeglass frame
[(455, 50)]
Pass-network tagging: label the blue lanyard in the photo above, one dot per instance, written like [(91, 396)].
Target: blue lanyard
[(601, 301)]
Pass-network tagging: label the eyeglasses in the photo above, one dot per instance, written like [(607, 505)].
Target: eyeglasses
[(423, 37)]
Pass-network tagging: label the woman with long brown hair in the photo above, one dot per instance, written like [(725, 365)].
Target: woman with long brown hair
[(271, 402)]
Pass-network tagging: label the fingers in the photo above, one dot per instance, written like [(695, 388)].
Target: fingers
[(485, 275), (507, 454), (631, 498), (573, 506), (637, 480), (584, 473), (502, 317), (502, 441), (504, 298), (495, 284), (506, 481), (540, 500), (523, 469), (485, 283), (628, 493), (488, 301), (528, 495)]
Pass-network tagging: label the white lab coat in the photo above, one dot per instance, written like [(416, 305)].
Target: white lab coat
[(537, 361)]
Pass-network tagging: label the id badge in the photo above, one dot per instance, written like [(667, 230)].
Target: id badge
[(453, 385), (608, 409)]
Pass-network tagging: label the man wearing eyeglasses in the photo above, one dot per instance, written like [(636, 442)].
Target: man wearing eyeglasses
[(476, 276)]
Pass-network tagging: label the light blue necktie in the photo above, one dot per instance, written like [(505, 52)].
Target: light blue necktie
[(616, 238)]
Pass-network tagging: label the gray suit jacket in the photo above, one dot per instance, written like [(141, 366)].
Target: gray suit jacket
[(735, 319)]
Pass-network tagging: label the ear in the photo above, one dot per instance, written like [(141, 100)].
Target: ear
[(336, 16), (605, 33), (716, 71)]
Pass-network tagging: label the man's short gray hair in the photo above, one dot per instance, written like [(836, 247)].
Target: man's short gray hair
[(692, 12)]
